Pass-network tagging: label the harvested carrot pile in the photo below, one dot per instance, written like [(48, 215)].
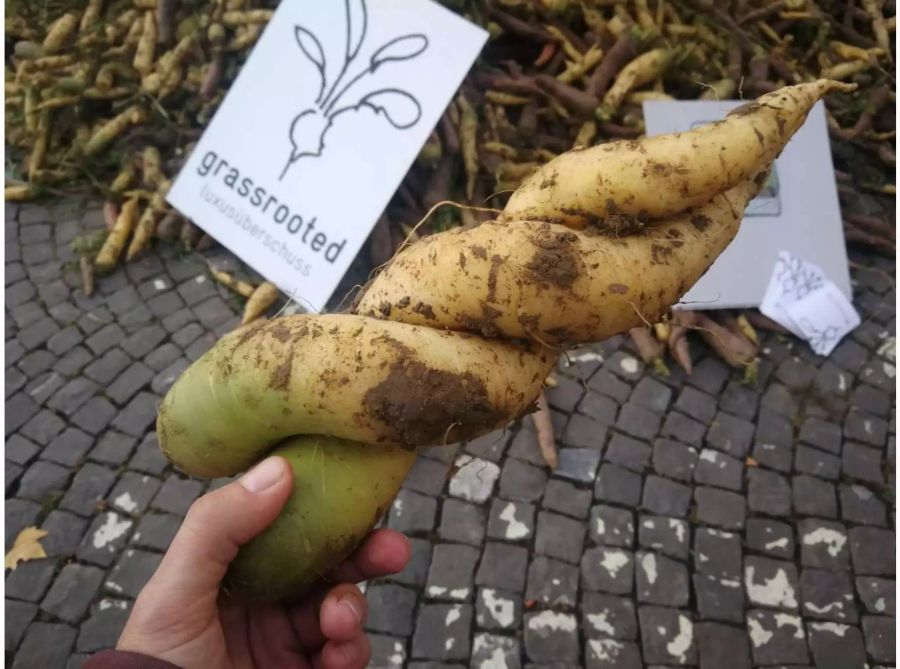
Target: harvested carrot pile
[(112, 94)]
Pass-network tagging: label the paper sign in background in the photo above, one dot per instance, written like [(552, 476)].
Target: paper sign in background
[(318, 130), (797, 212)]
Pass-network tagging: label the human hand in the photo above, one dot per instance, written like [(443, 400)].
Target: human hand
[(182, 617)]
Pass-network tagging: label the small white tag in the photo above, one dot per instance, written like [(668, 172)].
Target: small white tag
[(802, 299)]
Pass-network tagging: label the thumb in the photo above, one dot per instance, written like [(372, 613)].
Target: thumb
[(216, 525)]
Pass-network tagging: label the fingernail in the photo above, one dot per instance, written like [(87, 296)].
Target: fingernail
[(351, 604), (263, 476)]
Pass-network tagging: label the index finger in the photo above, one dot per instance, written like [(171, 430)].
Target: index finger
[(382, 553)]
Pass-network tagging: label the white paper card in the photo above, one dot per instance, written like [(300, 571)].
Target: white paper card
[(798, 210), (801, 298), (318, 130)]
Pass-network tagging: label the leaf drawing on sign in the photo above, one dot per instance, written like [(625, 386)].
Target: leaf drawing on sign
[(26, 547), (400, 108)]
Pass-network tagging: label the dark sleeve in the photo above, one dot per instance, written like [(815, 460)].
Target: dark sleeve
[(120, 659)]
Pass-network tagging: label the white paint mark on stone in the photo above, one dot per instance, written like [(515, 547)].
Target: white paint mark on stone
[(600, 622), (436, 590), (502, 609), (730, 583), (474, 479), (783, 619), (648, 564), (398, 507), (709, 456), (649, 524), (629, 365), (200, 279), (758, 634), (824, 609), (555, 581), (399, 655), (453, 615), (448, 644), (606, 649), (514, 528), (113, 604), (601, 527), (159, 284), (777, 543), (679, 646), (114, 586), (834, 628), (613, 561), (111, 529), (559, 622), (459, 593), (702, 557), (826, 535), (879, 604), (842, 382), (125, 502), (678, 526), (496, 659), (573, 359), (775, 591), (40, 388)]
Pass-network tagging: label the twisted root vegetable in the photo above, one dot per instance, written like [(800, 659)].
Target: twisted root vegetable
[(455, 337)]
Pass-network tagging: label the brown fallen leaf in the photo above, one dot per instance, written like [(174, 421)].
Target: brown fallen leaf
[(750, 462), (26, 547)]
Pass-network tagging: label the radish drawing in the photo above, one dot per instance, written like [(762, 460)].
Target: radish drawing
[(309, 127)]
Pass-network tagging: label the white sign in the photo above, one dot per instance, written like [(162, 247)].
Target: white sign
[(318, 130), (798, 211), (801, 298)]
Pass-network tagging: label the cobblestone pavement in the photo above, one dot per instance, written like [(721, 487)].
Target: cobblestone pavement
[(692, 521)]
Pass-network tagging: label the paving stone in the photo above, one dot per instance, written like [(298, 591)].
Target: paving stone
[(638, 422), (771, 583), (520, 481), (603, 653), (12, 474), (490, 446), (20, 450), (102, 629), (551, 636), (665, 497), (73, 361), (64, 313), (717, 553), (19, 514), (821, 434), (779, 399), (388, 652), (670, 536), (608, 616), (176, 321), (720, 508), (68, 448), (391, 609), (661, 580), (565, 395), (849, 355), (709, 375), (108, 367), (625, 366), (15, 380), (823, 544), (860, 505), (715, 468), (776, 638), (186, 335), (584, 432), (177, 494), (740, 400), (865, 428), (813, 497), (578, 464), (627, 452), (113, 448), (880, 642), (836, 646), (138, 415), (42, 480), (41, 388), (607, 569), (412, 512), (43, 427), (862, 463), (611, 526), (651, 394), (879, 374), (105, 338), (498, 610), (607, 384), (512, 521), (132, 572), (566, 498), (200, 346), (148, 457), (38, 333), (524, 446), (768, 492), (770, 537), (618, 485), (162, 357), (722, 646), (462, 522), (696, 404), (502, 566), (143, 341), (867, 549), (552, 583), (491, 650), (133, 493), (879, 595), (674, 460), (64, 340), (156, 531), (105, 539), (816, 463), (443, 632), (18, 617), (730, 434), (19, 410), (827, 595), (31, 579), (559, 536), (64, 533), (72, 592), (46, 645), (427, 476), (795, 373), (94, 416), (600, 408), (873, 400), (681, 428), (450, 575), (719, 598), (474, 479), (164, 380), (667, 636), (19, 293)]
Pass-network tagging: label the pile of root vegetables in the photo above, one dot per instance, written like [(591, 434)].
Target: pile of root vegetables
[(112, 94)]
